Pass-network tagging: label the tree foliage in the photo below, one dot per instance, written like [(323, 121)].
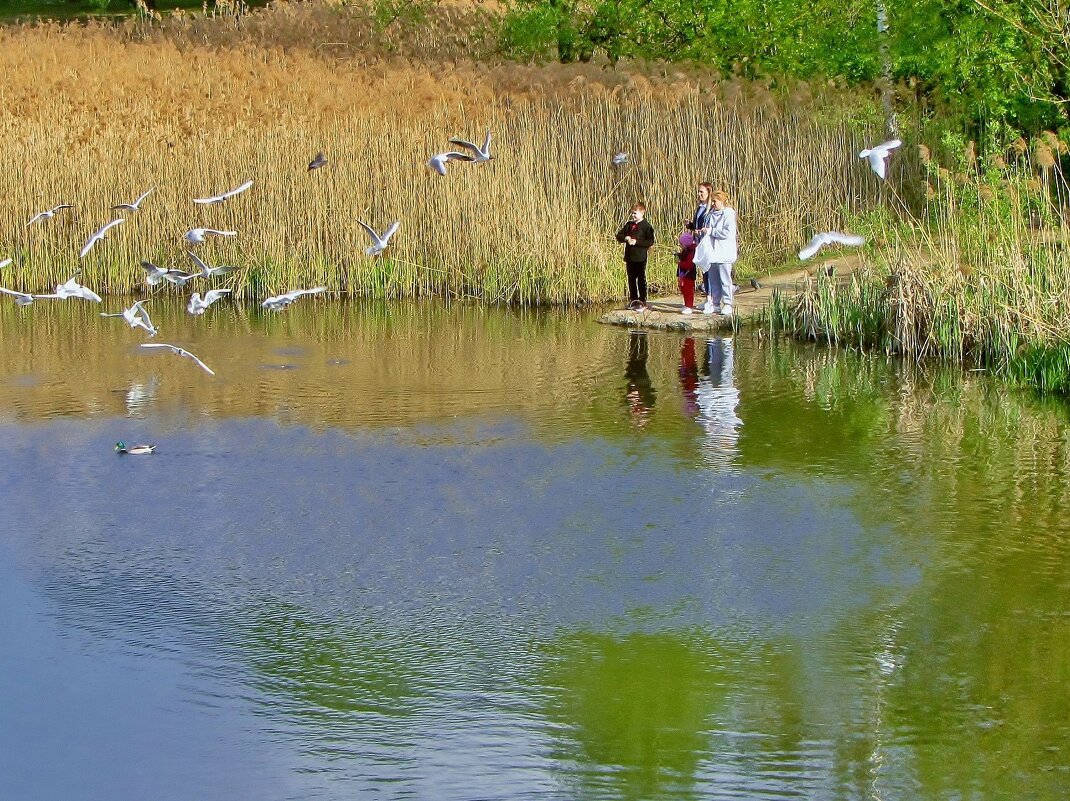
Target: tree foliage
[(978, 60)]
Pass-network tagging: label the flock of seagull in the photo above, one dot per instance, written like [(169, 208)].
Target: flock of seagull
[(136, 316)]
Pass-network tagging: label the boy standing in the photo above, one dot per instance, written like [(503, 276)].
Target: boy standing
[(637, 235)]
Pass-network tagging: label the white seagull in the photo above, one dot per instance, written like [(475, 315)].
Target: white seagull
[(134, 319), (49, 214), (206, 271), (195, 236), (438, 161), (829, 238), (180, 352), (157, 275), (198, 305), (99, 235), (226, 195), (379, 242), (280, 302), (620, 159), (136, 204), (479, 154), (72, 289), (878, 156)]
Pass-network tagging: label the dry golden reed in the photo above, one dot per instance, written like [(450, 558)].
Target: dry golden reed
[(94, 115)]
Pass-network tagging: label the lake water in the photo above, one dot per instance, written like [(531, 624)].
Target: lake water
[(417, 552)]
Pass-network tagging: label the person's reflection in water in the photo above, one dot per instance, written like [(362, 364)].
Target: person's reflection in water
[(639, 395), (689, 376), (718, 399)]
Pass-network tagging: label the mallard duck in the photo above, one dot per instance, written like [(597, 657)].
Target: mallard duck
[(134, 450)]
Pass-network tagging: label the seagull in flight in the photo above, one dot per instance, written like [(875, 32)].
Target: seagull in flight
[(438, 161), (99, 235), (479, 154), (48, 214), (198, 305), (620, 159), (195, 236), (379, 242), (136, 204), (72, 289), (134, 319), (181, 352), (208, 201), (316, 163), (280, 302), (829, 238), (206, 271), (157, 275), (878, 156)]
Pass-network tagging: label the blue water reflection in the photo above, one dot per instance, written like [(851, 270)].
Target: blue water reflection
[(695, 578)]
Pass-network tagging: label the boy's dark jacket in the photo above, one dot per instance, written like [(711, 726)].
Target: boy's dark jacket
[(644, 238)]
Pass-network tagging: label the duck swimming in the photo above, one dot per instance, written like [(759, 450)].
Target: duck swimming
[(134, 450)]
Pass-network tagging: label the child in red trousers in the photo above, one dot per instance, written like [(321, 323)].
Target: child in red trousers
[(685, 270)]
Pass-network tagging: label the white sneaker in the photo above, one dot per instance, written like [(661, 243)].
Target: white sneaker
[(686, 310), (708, 308), (726, 311)]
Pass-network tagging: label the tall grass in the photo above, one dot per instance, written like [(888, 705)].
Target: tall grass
[(95, 114), (981, 276)]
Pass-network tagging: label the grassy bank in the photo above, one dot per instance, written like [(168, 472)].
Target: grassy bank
[(98, 113), (980, 276)]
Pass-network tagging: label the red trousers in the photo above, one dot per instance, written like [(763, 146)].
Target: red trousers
[(687, 289)]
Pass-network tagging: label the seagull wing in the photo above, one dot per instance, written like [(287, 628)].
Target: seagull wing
[(812, 247), (212, 295), (466, 145), (486, 143), (888, 146), (436, 163), (237, 190), (22, 295), (179, 351), (851, 240), (393, 229), (375, 237), (145, 194), (38, 216), (202, 365), (209, 200), (205, 272), (88, 294), (139, 306), (61, 207), (5, 263), (218, 233), (878, 162)]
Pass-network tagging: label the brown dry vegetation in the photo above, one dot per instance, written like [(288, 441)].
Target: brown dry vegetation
[(96, 114)]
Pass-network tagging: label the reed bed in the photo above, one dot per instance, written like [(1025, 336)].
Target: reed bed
[(95, 114), (980, 277)]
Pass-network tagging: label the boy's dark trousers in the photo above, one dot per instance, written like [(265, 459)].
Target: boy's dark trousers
[(636, 281)]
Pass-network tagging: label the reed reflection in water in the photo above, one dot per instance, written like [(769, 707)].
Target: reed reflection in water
[(445, 555)]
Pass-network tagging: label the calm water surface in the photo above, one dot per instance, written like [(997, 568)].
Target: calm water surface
[(417, 552)]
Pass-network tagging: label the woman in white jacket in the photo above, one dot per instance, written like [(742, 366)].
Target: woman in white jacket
[(722, 225)]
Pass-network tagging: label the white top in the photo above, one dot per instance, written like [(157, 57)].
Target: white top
[(722, 226)]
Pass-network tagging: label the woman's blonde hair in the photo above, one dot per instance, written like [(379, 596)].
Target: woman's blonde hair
[(720, 195)]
